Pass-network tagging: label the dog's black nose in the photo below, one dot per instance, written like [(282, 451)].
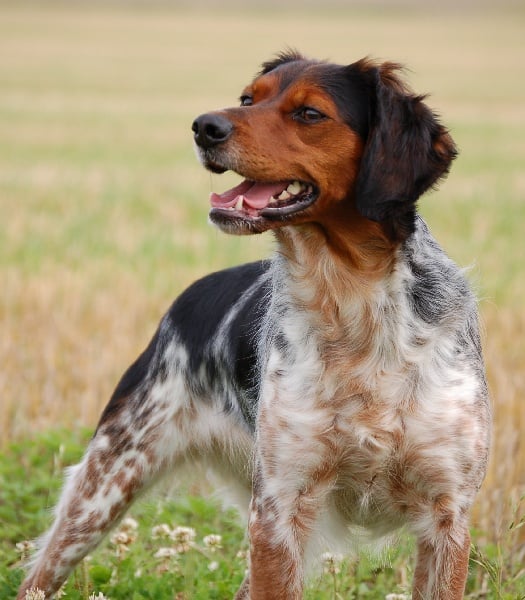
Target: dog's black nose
[(211, 129)]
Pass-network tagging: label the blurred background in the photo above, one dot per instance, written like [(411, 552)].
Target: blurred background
[(103, 206)]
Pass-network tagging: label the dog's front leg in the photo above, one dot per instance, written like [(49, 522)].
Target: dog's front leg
[(294, 473), (442, 566), (277, 536)]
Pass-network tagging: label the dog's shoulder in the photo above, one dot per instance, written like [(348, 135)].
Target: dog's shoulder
[(200, 311), (437, 287)]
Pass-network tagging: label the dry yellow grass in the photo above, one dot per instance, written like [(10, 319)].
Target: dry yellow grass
[(103, 206)]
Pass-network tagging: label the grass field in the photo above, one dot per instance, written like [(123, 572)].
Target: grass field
[(103, 206)]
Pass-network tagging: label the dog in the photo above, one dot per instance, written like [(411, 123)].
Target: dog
[(341, 382)]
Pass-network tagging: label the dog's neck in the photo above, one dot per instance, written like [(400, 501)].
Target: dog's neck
[(341, 257), (348, 288), (343, 279)]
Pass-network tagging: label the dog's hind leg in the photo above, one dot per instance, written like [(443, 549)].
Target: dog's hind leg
[(148, 427), (179, 400)]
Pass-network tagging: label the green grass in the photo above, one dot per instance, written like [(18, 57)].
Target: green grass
[(30, 476)]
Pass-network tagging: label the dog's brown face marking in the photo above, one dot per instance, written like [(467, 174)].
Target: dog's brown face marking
[(288, 132)]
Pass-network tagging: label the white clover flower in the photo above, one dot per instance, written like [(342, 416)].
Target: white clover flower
[(183, 537), (161, 531), (213, 566), (129, 524), (332, 562), (122, 538), (183, 534), (212, 542), (35, 594), (25, 548), (99, 596), (165, 553)]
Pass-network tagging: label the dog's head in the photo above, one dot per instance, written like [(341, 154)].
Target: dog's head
[(311, 138)]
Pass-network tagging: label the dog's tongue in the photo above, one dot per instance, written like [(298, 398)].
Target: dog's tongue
[(254, 195)]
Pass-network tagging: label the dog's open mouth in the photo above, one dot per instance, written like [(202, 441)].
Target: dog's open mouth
[(252, 200)]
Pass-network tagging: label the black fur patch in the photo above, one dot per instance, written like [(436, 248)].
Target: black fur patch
[(438, 291), (282, 58), (197, 316)]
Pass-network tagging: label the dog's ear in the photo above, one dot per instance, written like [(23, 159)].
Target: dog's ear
[(406, 151)]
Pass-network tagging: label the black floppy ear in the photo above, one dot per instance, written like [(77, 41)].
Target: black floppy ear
[(406, 152)]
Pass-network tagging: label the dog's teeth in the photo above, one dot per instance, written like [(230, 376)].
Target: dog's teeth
[(284, 195), (239, 203), (294, 188)]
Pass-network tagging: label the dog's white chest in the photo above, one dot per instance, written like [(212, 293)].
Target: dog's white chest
[(383, 454)]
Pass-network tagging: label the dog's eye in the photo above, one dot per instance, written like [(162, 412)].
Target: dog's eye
[(307, 114), (246, 100)]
